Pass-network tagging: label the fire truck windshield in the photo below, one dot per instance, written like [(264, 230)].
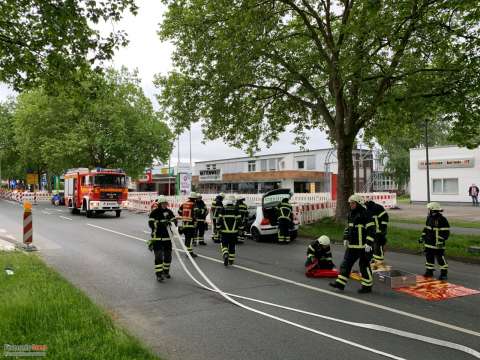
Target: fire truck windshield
[(109, 180)]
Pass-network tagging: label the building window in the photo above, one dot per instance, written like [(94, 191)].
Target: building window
[(445, 186), (263, 165), (251, 166), (301, 164), (272, 164), (208, 166), (311, 163)]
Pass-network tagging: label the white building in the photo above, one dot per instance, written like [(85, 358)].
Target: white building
[(301, 171), (452, 171)]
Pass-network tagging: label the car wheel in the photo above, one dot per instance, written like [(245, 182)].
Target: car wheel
[(256, 235), (89, 213), (117, 213)]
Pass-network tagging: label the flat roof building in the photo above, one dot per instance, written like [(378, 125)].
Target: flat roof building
[(300, 171), (452, 170)]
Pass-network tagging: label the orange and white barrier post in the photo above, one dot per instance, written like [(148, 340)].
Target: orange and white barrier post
[(27, 227)]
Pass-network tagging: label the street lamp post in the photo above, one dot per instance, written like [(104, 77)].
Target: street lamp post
[(428, 162)]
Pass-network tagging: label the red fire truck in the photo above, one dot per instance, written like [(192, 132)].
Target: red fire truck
[(95, 191)]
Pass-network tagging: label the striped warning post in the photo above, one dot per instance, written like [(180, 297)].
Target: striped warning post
[(27, 223)]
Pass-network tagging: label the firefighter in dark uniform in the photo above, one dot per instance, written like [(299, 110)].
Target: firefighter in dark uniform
[(228, 225), (201, 213), (243, 210), (358, 240), (434, 236), (380, 218), (216, 208), (319, 251), (160, 218), (285, 221), (189, 222)]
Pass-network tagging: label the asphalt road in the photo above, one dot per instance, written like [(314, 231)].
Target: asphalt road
[(179, 320)]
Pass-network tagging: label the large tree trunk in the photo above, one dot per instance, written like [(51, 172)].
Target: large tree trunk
[(345, 178)]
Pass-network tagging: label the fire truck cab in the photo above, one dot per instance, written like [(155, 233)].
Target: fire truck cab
[(95, 191)]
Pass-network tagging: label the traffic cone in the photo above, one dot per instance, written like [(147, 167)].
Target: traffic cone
[(27, 227)]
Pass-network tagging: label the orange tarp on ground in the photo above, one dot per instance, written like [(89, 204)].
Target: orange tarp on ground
[(435, 290)]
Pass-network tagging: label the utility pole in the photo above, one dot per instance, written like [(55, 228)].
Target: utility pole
[(428, 162)]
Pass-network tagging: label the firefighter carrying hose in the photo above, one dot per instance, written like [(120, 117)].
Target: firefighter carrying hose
[(228, 225), (243, 210), (201, 213), (160, 218), (216, 208), (434, 236), (187, 215), (358, 240), (285, 221), (380, 218)]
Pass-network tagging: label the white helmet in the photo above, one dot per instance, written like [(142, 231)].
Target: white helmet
[(193, 195), (434, 206), (161, 199), (324, 240), (356, 198)]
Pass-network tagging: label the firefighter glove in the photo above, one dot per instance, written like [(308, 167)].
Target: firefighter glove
[(368, 249), (345, 243), (150, 245), (420, 240)]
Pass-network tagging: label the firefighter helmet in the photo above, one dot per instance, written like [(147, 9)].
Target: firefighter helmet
[(356, 198), (222, 195), (434, 206), (324, 240), (193, 195), (161, 199)]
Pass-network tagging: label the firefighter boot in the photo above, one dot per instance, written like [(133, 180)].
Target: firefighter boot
[(167, 275), (443, 275), (337, 285), (428, 273), (225, 259), (202, 242), (159, 277), (365, 290)]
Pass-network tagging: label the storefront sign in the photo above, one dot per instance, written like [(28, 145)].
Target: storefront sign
[(210, 175), (447, 163)]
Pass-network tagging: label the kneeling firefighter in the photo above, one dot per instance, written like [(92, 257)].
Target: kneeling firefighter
[(160, 218), (358, 240), (434, 236), (285, 221), (320, 254), (229, 223)]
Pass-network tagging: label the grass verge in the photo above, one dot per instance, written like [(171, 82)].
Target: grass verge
[(39, 307), (398, 239), (453, 223)]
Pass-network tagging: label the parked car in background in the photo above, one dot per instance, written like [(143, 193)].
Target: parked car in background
[(263, 222)]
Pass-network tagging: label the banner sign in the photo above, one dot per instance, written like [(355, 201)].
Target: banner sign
[(446, 163)]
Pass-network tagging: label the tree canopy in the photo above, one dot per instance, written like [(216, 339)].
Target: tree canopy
[(106, 122), (247, 69), (48, 40)]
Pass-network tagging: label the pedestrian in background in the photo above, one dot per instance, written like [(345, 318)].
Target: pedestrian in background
[(473, 193)]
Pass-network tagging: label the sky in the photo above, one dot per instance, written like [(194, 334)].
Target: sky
[(150, 56)]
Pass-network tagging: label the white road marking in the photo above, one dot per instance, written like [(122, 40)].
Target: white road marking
[(406, 334), (327, 292), (46, 212), (64, 217), (10, 237), (59, 210)]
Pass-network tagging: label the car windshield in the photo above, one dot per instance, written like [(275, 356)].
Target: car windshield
[(109, 180)]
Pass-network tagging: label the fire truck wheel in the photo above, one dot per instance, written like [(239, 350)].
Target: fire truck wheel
[(89, 213), (118, 212)]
